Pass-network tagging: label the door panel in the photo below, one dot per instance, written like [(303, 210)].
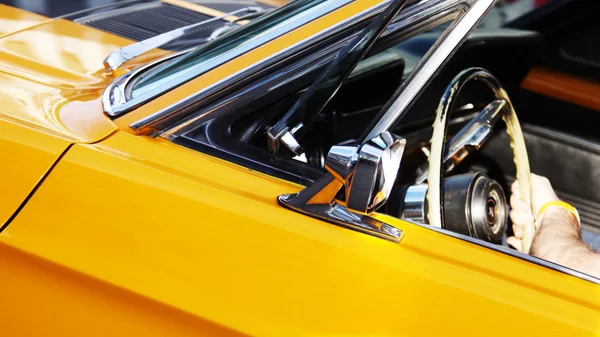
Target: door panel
[(192, 232), (25, 156)]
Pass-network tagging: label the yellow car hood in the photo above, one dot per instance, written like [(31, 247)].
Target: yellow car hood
[(51, 74)]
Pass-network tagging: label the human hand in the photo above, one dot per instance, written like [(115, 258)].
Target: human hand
[(521, 212)]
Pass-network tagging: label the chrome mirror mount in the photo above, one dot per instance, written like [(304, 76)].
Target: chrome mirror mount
[(367, 172)]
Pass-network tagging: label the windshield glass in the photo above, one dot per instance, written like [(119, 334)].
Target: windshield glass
[(505, 11), (223, 44)]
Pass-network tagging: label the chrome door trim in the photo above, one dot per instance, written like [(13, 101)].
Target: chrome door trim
[(510, 252)]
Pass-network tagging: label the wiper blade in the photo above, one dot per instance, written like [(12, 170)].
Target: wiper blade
[(302, 114), (118, 57)]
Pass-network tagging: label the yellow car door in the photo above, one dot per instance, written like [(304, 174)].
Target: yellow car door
[(146, 237)]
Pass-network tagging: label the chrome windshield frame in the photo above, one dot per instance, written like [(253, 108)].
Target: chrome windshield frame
[(431, 64), (115, 92), (417, 17), (159, 119), (116, 105)]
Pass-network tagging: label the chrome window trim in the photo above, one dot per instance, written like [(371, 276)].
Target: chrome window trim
[(416, 12), (153, 119), (228, 103), (115, 92), (510, 252), (207, 112), (116, 108), (435, 59)]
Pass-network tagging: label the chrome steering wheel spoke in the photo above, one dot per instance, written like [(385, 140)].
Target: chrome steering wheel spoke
[(469, 139)]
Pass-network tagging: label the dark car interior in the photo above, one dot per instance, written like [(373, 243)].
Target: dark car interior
[(560, 133), (561, 125)]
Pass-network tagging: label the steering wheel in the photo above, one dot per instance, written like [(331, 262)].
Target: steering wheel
[(470, 138)]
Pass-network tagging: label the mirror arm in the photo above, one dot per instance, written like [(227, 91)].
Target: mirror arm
[(367, 172)]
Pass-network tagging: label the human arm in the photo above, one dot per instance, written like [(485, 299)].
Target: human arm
[(558, 236)]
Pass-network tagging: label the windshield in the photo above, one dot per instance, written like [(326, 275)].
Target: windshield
[(224, 44), (504, 11)]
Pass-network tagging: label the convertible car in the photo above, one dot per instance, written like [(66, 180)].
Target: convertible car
[(267, 168)]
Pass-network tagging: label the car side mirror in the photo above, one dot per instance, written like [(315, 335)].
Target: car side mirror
[(367, 172)]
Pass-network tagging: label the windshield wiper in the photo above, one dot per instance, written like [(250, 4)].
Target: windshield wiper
[(118, 57), (303, 113)]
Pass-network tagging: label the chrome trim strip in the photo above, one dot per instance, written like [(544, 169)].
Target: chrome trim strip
[(339, 215), (428, 7), (510, 252), (281, 78), (259, 40), (429, 66), (115, 92), (153, 119), (307, 108), (195, 71)]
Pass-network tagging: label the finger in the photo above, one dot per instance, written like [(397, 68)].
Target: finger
[(517, 227), (515, 189), (519, 205), (518, 231), (516, 243), (514, 216), (536, 176), (521, 218)]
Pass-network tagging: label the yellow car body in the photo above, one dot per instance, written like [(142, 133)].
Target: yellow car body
[(106, 232)]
